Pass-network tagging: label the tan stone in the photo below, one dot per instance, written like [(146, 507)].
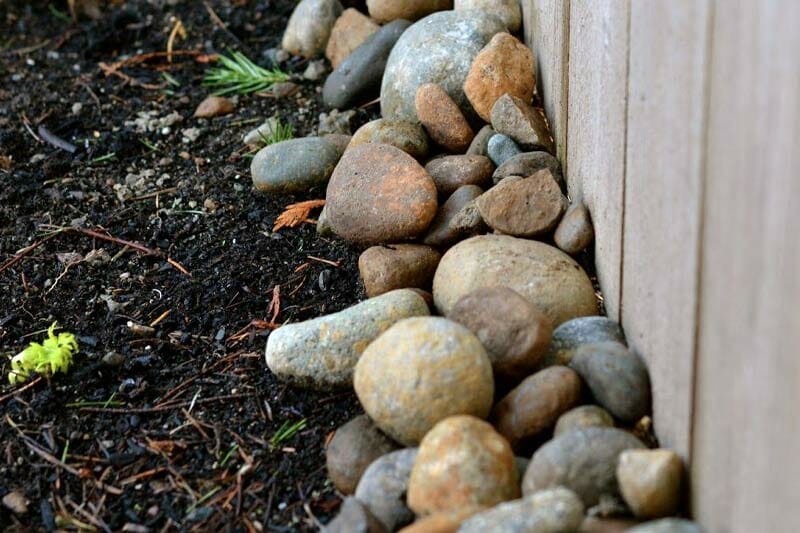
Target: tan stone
[(575, 231), (397, 266), (214, 106), (528, 126), (349, 31), (650, 481), (406, 136), (388, 10), (442, 118)]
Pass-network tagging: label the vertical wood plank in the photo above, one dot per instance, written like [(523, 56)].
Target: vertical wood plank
[(747, 428), (666, 88), (546, 25), (598, 71)]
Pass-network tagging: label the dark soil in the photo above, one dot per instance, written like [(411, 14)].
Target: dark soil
[(184, 442)]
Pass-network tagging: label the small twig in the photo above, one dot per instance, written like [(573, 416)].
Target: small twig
[(20, 390), (55, 140), (178, 28), (326, 261), (147, 410), (24, 252)]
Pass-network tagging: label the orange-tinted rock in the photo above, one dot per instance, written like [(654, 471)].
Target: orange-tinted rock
[(504, 66), (397, 266), (378, 194), (442, 118), (462, 463), (349, 31), (453, 171), (528, 126), (214, 106)]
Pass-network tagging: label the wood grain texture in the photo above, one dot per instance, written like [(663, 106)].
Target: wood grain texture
[(747, 428), (546, 25), (598, 70), (666, 88)]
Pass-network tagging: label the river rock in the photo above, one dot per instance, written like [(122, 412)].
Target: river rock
[(575, 231), (214, 106), (349, 32), (397, 266), (509, 11), (442, 118), (468, 221), (358, 77), (504, 66), (617, 377), (536, 403), (523, 207), (592, 524), (378, 194), (384, 485), (582, 417), (321, 353), (437, 49), (574, 333), (547, 511), (480, 144), (422, 371), (513, 331), (453, 171), (545, 276), (667, 525), (309, 27), (354, 517), (462, 463), (257, 136), (514, 117), (650, 482), (582, 460), (407, 136), (354, 446), (528, 163), (501, 148), (443, 232), (441, 522), (294, 166), (388, 10), (340, 140)]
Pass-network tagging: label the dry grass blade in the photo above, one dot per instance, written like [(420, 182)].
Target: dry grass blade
[(296, 214)]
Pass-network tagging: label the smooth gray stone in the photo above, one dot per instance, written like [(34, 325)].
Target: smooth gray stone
[(382, 488), (480, 143), (501, 148), (574, 333), (293, 166), (547, 511)]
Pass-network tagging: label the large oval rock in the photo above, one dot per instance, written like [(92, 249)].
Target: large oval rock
[(354, 446), (582, 460), (544, 275), (453, 171), (462, 463), (348, 33), (358, 77), (321, 353), (582, 417), (651, 481), (421, 371), (294, 166), (574, 333), (309, 27), (387, 10), (509, 11), (384, 485), (407, 136), (547, 511), (617, 377), (514, 332), (379, 194), (437, 49), (397, 266), (536, 403)]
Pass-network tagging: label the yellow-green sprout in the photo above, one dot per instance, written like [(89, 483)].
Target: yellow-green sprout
[(53, 355)]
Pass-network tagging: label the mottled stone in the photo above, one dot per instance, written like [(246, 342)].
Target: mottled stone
[(542, 274), (214, 106), (582, 460), (321, 353), (437, 49), (667, 525), (354, 446), (462, 463), (397, 266), (442, 118), (422, 371), (384, 485), (468, 221), (574, 333), (575, 231), (354, 517), (309, 27), (453, 171), (443, 232), (548, 511), (504, 66), (513, 331), (650, 481), (501, 148), (294, 166), (528, 163), (582, 417), (336, 122), (349, 32), (617, 377), (407, 136), (379, 194), (536, 403), (480, 144), (388, 10), (509, 11), (514, 117)]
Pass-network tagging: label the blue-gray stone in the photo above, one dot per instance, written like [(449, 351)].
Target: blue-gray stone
[(501, 148), (574, 333), (293, 166), (557, 509)]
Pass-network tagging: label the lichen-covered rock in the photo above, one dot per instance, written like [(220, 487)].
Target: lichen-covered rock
[(294, 166), (309, 27), (547, 511), (354, 446)]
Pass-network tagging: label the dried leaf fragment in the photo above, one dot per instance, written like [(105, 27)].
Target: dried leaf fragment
[(296, 214)]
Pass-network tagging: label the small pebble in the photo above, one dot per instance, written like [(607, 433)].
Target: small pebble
[(574, 333), (16, 502), (527, 164), (214, 106), (315, 70), (501, 148), (509, 11), (354, 446), (667, 525), (575, 231), (349, 31), (480, 144), (453, 171), (442, 231), (388, 10), (406, 136), (309, 27), (113, 359), (650, 481)]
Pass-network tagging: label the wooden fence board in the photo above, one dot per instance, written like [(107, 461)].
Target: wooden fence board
[(747, 428)]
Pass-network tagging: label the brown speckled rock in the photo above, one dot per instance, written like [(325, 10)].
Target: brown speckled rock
[(504, 66), (527, 164), (523, 207), (536, 403), (442, 118), (453, 171), (397, 266), (378, 193), (420, 372), (351, 450), (388, 10), (462, 463), (582, 417), (442, 232), (513, 331), (527, 126), (407, 136), (544, 275), (349, 31), (650, 481), (575, 231)]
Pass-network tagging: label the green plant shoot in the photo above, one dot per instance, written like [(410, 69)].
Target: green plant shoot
[(53, 355), (238, 74)]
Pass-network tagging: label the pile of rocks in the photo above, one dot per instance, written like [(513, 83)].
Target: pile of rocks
[(500, 400)]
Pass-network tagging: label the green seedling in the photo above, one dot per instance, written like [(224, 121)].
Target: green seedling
[(53, 355), (282, 132), (286, 432), (239, 75)]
